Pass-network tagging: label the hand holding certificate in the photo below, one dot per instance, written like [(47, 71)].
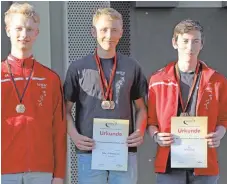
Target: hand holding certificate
[(189, 149), (111, 150)]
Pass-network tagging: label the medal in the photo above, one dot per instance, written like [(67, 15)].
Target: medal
[(107, 90), (20, 108), (105, 104), (112, 105), (184, 114)]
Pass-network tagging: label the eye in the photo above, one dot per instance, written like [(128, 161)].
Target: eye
[(18, 28), (104, 30), (196, 41), (185, 41), (29, 29)]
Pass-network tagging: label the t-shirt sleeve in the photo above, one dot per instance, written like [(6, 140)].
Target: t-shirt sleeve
[(139, 87), (71, 86)]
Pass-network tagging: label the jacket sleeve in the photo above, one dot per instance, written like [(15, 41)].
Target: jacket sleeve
[(152, 114), (59, 132), (222, 108)]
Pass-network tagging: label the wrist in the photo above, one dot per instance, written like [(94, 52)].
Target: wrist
[(75, 136), (221, 130), (141, 131), (155, 136)]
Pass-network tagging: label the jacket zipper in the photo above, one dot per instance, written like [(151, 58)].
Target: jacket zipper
[(28, 163)]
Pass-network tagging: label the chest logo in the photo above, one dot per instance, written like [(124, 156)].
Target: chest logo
[(43, 94)]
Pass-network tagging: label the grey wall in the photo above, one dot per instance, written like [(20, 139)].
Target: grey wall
[(58, 30), (5, 43), (151, 33)]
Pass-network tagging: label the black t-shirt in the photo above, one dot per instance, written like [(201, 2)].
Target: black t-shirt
[(82, 85)]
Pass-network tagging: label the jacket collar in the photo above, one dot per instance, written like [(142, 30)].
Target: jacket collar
[(207, 72), (27, 62)]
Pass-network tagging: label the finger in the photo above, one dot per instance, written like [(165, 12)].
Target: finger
[(87, 139), (165, 138), (89, 144), (210, 135), (130, 141), (84, 148), (214, 142), (214, 145), (166, 143), (216, 138), (164, 134), (134, 135), (135, 144)]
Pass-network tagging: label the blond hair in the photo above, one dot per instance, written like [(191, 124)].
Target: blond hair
[(188, 25), (112, 13), (24, 9)]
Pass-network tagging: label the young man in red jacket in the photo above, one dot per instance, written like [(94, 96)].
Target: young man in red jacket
[(33, 116), (187, 87)]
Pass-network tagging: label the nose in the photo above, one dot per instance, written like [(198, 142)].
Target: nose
[(24, 33), (190, 45), (108, 33)]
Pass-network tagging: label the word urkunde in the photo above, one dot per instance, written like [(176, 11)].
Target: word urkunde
[(110, 133), (193, 130)]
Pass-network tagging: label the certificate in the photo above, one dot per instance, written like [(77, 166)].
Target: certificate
[(189, 149), (111, 150)]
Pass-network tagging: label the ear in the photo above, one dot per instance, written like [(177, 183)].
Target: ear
[(174, 43), (93, 32), (121, 32), (7, 31), (203, 40), (201, 47), (37, 32)]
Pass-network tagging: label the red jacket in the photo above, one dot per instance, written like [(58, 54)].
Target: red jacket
[(36, 139), (163, 104)]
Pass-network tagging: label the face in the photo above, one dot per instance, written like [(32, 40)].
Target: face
[(22, 32), (188, 45), (107, 32)]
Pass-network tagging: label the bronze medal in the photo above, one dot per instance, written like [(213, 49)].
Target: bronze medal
[(112, 105), (20, 108), (105, 104), (184, 114)]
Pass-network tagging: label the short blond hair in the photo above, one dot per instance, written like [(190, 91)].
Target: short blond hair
[(112, 13), (24, 9)]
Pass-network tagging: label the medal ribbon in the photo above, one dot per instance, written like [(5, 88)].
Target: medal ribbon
[(184, 108), (108, 91), (20, 98)]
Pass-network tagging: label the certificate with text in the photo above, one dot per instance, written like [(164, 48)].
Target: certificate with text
[(189, 149), (111, 150)]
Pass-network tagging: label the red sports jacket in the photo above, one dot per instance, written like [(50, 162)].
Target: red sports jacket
[(163, 104), (36, 139)]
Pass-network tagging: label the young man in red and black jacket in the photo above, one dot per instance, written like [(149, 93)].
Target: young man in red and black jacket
[(33, 116), (187, 87)]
